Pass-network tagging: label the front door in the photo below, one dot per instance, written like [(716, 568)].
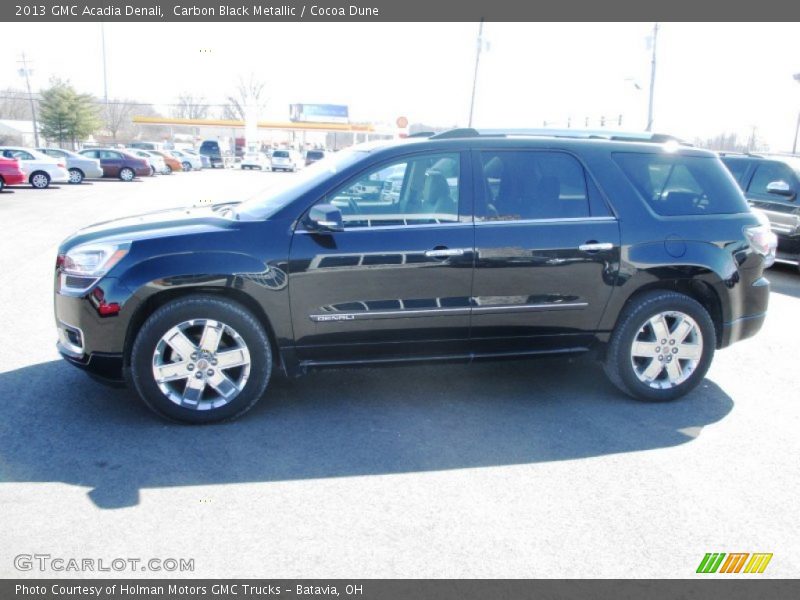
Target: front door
[(396, 282), (547, 253)]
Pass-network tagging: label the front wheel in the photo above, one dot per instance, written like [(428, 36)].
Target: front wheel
[(75, 176), (127, 174), (201, 359), (661, 347), (186, 166)]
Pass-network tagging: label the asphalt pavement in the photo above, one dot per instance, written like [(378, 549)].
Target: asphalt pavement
[(506, 469)]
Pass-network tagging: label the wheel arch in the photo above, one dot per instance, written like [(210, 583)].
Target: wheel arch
[(155, 301), (698, 289)]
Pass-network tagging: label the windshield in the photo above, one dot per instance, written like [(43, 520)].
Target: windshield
[(267, 202)]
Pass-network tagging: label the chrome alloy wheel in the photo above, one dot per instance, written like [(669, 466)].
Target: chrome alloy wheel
[(201, 364), (40, 181), (667, 349)]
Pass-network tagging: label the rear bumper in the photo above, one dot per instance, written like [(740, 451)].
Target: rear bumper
[(14, 179), (750, 316)]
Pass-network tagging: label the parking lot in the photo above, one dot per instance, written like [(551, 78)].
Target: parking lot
[(516, 469)]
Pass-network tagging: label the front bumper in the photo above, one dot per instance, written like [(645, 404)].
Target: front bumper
[(87, 338), (91, 172), (59, 176)]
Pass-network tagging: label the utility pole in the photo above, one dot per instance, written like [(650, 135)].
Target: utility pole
[(652, 80), (105, 78), (475, 76), (25, 72)]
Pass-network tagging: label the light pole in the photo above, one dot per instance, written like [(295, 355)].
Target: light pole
[(652, 80), (475, 76), (796, 77), (26, 72)]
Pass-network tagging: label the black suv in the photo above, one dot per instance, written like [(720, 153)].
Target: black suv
[(772, 184), (464, 245)]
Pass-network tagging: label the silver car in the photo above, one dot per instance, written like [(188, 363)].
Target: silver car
[(156, 161), (79, 167)]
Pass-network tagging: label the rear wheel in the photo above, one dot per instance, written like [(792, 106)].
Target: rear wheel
[(40, 180), (186, 166), (126, 174), (662, 346), (75, 176), (201, 359)]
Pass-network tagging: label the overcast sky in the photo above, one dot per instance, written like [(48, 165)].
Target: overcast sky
[(711, 78)]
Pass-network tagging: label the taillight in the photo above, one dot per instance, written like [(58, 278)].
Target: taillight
[(763, 241), (60, 261)]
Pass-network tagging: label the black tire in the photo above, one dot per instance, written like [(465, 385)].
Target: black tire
[(75, 176), (152, 171), (201, 307), (186, 166), (127, 174), (168, 170), (2, 184), (618, 362), (40, 180)]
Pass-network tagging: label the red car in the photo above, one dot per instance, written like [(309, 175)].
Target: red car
[(10, 173)]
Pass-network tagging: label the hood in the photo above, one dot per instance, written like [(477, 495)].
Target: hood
[(162, 223)]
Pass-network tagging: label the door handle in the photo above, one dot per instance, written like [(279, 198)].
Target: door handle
[(595, 246), (444, 252)]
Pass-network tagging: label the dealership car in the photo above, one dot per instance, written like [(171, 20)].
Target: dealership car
[(173, 164), (644, 253), (213, 151), (10, 172), (40, 170), (119, 163), (188, 161), (156, 162), (79, 167), (771, 183), (285, 160), (204, 160), (313, 156), (255, 160)]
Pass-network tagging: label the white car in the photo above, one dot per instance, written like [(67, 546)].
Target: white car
[(255, 160), (39, 168), (285, 160), (157, 164), (188, 161)]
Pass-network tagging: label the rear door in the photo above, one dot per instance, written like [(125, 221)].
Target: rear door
[(396, 282), (547, 252)]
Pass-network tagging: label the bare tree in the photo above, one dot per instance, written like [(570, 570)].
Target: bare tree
[(249, 92), (118, 117), (190, 107), (15, 105), (730, 142)]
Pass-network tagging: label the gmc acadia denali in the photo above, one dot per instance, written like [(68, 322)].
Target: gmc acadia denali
[(462, 245)]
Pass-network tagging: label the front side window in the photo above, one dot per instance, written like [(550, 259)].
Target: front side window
[(521, 185), (737, 167), (418, 190), (674, 185), (770, 172)]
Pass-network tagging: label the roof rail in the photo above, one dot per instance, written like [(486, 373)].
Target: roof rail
[(604, 134)]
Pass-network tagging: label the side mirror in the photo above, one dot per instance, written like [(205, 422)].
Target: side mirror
[(780, 188), (325, 218)]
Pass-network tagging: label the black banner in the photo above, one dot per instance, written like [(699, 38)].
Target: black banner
[(396, 10), (399, 589)]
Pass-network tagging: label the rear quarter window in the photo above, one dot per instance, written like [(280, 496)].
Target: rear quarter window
[(673, 184)]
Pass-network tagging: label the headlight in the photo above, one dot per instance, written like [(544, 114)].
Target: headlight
[(83, 265)]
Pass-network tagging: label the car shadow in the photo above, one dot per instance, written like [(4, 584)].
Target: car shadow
[(784, 279), (56, 424)]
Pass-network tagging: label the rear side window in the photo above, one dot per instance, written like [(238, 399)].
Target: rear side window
[(682, 185), (521, 185), (738, 168)]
